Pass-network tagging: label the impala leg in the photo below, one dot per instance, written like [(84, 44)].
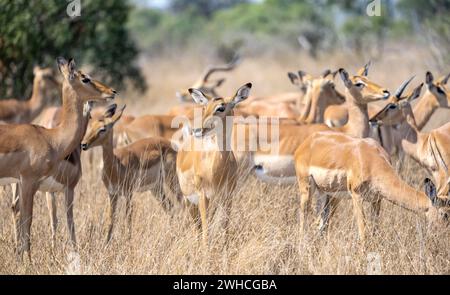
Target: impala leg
[(112, 214), (325, 208), (305, 199), (129, 213), (69, 196), (228, 206), (15, 212), (28, 188), (375, 207), (358, 212), (203, 209), (51, 205)]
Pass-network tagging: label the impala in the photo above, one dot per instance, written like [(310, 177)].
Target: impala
[(35, 151), (321, 92), (279, 166), (64, 178), (204, 84), (17, 111), (434, 97), (205, 165), (331, 162), (145, 165), (431, 150)]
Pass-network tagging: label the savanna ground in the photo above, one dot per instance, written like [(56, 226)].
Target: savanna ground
[(263, 234)]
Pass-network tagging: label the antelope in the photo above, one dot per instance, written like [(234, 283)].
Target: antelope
[(321, 92), (435, 96), (64, 178), (206, 165), (431, 149), (206, 85), (278, 166), (17, 111), (145, 165), (35, 152), (332, 162)]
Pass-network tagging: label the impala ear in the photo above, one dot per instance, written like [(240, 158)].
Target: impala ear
[(443, 80), (429, 78), (118, 114), (242, 94), (198, 96), (110, 110), (416, 93), (345, 78), (71, 68), (430, 191), (364, 71), (294, 78)]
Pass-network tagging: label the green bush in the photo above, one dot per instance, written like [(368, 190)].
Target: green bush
[(36, 32)]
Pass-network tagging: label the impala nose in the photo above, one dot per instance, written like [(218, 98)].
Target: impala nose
[(84, 146)]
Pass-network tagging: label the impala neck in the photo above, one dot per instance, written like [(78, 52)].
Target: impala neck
[(358, 118), (424, 109), (411, 138), (109, 159), (70, 132), (36, 102), (393, 189)]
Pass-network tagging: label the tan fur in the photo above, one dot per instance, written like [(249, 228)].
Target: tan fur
[(146, 164), (203, 168), (24, 111), (330, 163), (35, 151), (358, 126), (431, 149)]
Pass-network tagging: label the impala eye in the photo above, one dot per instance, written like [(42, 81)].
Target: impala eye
[(392, 107), (440, 91), (220, 109), (359, 84), (101, 130), (85, 79)]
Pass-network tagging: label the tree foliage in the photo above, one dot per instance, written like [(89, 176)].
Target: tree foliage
[(36, 32)]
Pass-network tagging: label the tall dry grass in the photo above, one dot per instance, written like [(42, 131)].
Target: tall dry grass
[(263, 234)]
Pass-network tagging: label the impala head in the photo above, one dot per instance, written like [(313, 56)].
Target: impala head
[(86, 87), (301, 81), (438, 89), (399, 110), (361, 88), (439, 211), (205, 84), (213, 109), (99, 129), (208, 87), (45, 77)]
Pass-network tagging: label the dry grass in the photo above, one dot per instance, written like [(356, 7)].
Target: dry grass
[(263, 234)]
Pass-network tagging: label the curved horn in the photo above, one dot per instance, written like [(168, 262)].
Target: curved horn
[(224, 68), (326, 73), (402, 87)]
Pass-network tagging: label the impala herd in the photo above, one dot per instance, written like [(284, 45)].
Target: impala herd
[(333, 144)]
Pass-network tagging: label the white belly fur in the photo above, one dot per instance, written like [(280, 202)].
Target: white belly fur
[(329, 179), (279, 166)]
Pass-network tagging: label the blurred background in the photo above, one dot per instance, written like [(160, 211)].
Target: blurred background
[(151, 48)]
